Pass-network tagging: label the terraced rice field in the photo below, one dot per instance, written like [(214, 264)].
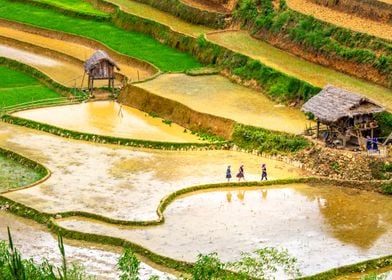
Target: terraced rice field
[(164, 57), (218, 96), (146, 11), (323, 227), (112, 119), (16, 87), (74, 5), (314, 74), (79, 50), (99, 178), (349, 21), (34, 241)]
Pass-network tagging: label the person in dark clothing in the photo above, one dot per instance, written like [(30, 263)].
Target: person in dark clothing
[(263, 172), (369, 143), (375, 144), (240, 174), (228, 173)]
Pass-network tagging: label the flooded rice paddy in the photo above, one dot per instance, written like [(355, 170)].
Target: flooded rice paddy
[(34, 241), (241, 41), (13, 174), (217, 95), (112, 119), (99, 178), (77, 50), (323, 226), (146, 11)]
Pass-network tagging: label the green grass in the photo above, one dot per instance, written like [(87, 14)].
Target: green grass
[(13, 174), (74, 5), (130, 43), (16, 88)]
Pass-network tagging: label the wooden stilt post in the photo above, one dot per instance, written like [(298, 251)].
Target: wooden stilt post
[(318, 129), (81, 85)]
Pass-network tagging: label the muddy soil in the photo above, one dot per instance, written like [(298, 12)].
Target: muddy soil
[(323, 226), (119, 182), (112, 119), (34, 241), (349, 21), (216, 95)]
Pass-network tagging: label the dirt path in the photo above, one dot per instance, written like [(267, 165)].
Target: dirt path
[(218, 96), (112, 119), (241, 41), (119, 182), (77, 50), (350, 21), (146, 11)]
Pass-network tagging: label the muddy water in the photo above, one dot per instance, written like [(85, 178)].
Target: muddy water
[(312, 73), (78, 51), (323, 227), (146, 11), (63, 72), (13, 174), (34, 241), (349, 21), (218, 96), (112, 119), (120, 182)]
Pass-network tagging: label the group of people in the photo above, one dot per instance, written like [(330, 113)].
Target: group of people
[(241, 175), (371, 144)]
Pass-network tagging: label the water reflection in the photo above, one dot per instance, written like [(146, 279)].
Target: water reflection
[(353, 216), (324, 226)]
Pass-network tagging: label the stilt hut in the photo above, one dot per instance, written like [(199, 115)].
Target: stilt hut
[(100, 67), (347, 116)]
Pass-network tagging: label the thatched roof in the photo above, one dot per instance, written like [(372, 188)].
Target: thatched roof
[(332, 104), (96, 58)]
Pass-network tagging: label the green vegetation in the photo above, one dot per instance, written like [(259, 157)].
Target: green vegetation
[(16, 87), (130, 43), (13, 266), (262, 140), (17, 171), (316, 36), (74, 5)]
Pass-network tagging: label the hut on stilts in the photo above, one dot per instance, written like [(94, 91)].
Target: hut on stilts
[(100, 67), (347, 117)]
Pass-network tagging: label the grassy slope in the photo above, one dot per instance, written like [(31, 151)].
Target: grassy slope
[(129, 43), (74, 5), (16, 87)]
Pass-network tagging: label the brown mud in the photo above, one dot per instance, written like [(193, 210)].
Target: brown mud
[(353, 22), (376, 10)]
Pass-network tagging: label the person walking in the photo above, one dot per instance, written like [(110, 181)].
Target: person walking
[(375, 145), (240, 174), (263, 172), (228, 174)]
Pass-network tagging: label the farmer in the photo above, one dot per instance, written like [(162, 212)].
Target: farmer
[(228, 173), (263, 172), (375, 144), (241, 173), (369, 143)]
